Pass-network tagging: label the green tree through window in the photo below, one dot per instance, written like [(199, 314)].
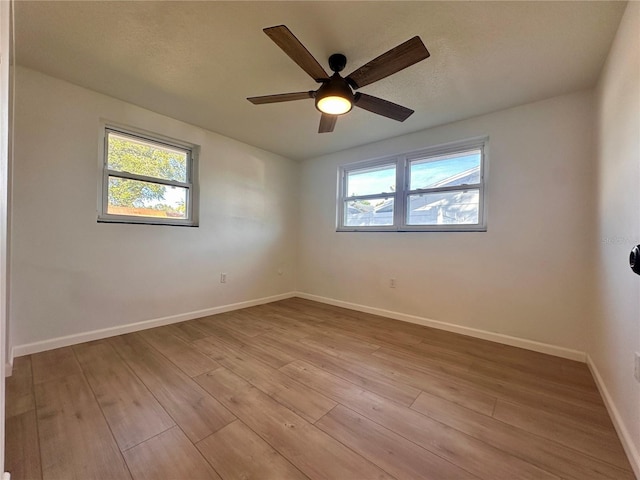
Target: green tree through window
[(141, 158)]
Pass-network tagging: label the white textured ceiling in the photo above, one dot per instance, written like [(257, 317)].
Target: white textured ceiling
[(198, 61)]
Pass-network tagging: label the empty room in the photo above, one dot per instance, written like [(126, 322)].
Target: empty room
[(342, 240)]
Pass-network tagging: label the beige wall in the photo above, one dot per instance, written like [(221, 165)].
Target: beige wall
[(71, 274), (527, 276), (615, 335)]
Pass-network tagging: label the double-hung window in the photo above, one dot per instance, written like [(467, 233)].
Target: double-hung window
[(147, 179), (436, 189)]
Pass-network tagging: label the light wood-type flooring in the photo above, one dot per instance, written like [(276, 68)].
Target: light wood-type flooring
[(296, 390)]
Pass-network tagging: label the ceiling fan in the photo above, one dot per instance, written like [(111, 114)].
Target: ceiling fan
[(336, 97)]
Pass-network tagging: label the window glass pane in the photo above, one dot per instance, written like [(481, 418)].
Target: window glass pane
[(461, 168), (140, 157), (362, 213), (146, 199), (444, 208), (369, 181)]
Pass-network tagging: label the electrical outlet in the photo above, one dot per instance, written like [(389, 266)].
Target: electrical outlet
[(636, 370), (223, 278), (392, 283)]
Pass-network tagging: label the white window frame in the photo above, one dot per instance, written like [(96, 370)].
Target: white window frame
[(190, 185), (401, 195)]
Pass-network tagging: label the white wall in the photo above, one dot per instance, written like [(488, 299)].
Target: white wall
[(528, 276), (5, 28), (615, 334), (71, 274)]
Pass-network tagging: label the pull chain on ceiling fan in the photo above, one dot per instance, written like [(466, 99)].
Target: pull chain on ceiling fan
[(336, 97)]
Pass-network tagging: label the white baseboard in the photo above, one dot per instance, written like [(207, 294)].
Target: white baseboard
[(471, 332), (627, 443), (44, 345), (36, 347), (8, 368)]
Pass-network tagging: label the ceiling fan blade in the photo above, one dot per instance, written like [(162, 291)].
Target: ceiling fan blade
[(327, 123), (281, 97), (288, 42), (382, 107), (398, 58)]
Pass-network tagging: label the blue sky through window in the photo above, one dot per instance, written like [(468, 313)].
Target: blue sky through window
[(372, 180), (427, 174), (423, 174)]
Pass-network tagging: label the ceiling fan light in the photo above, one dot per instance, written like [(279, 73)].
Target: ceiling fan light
[(334, 97), (334, 105)]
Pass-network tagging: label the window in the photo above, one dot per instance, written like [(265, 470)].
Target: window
[(438, 189), (147, 179)]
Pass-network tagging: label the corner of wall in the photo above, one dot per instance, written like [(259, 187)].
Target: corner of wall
[(618, 422)]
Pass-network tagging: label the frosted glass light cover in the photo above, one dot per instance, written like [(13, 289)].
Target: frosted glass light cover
[(334, 105)]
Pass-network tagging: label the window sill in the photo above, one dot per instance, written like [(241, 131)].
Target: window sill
[(147, 221), (435, 228)]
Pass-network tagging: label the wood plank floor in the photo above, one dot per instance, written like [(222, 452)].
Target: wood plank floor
[(297, 390)]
